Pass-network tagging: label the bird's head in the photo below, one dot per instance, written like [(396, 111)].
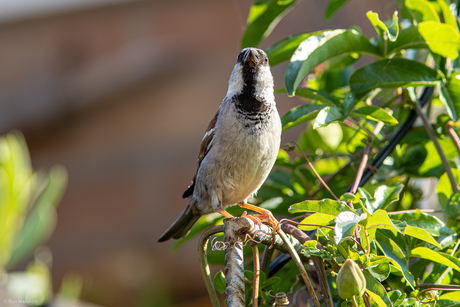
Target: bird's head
[(251, 73)]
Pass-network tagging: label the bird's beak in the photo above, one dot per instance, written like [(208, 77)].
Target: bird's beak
[(250, 57)]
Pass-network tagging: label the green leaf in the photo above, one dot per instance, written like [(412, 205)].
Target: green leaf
[(380, 220), (284, 49), (327, 116), (379, 267), (300, 115), (375, 114), (345, 224), (452, 106), (449, 94), (383, 196), (376, 298), (376, 287), (421, 10), (333, 7), (396, 297), (444, 187), (41, 220), (393, 251), (430, 223), (219, 282), (322, 47), (318, 219), (449, 17), (327, 206), (442, 39), (381, 28), (392, 73), (421, 234), (263, 17), (432, 166), (437, 257)]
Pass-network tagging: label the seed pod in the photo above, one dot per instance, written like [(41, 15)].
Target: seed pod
[(350, 280)]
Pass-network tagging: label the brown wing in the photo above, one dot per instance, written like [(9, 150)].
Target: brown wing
[(206, 144)]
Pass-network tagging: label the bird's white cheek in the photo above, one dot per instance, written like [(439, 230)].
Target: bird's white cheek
[(235, 83)]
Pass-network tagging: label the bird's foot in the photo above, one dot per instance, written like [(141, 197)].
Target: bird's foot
[(264, 216)]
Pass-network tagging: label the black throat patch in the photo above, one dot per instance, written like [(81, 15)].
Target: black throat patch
[(247, 102)]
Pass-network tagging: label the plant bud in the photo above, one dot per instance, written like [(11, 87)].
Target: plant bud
[(350, 280)]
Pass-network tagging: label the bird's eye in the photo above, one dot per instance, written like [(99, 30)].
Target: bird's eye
[(238, 57), (266, 59)]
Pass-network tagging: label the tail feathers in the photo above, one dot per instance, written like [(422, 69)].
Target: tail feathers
[(181, 225)]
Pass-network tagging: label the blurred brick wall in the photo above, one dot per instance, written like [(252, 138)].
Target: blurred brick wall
[(121, 95)]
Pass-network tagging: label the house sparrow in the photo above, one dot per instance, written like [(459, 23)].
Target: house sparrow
[(239, 147)]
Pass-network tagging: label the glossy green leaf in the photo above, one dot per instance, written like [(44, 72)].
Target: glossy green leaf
[(318, 219), (327, 116), (383, 196), (375, 114), (327, 206), (314, 95), (320, 48), (421, 234), (219, 282), (263, 17), (284, 49), (421, 10), (345, 224), (376, 287), (381, 28), (393, 251), (333, 7), (441, 38), (392, 73), (437, 257), (430, 223), (300, 115)]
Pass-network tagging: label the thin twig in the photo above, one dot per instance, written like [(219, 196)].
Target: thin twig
[(432, 135), (453, 135), (256, 278), (314, 170), (202, 250), (365, 157), (266, 256)]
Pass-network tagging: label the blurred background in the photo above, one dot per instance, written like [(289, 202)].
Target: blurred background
[(120, 92)]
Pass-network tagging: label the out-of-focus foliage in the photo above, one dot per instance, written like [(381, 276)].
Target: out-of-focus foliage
[(28, 201)]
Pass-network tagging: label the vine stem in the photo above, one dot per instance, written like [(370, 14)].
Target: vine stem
[(431, 134), (256, 278), (314, 170), (202, 250), (365, 158)]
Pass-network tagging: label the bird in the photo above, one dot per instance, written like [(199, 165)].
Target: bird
[(239, 147)]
